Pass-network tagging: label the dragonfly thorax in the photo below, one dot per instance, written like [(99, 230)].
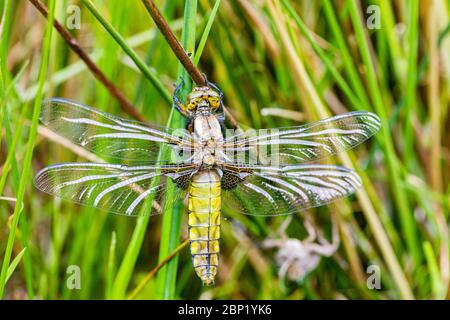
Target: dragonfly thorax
[(208, 140)]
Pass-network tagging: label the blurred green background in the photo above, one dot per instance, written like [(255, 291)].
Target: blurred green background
[(279, 63)]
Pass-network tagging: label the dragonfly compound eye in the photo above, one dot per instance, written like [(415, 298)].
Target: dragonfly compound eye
[(214, 102), (192, 105)]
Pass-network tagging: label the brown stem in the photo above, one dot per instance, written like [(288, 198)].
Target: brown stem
[(152, 272), (174, 44), (125, 104), (178, 50)]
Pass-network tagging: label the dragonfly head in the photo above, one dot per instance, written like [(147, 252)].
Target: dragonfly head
[(204, 100)]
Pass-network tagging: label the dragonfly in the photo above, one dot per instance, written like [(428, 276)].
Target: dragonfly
[(266, 173)]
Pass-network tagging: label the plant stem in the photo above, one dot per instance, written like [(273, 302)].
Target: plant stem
[(173, 42), (152, 272), (180, 53), (130, 52), (124, 103)]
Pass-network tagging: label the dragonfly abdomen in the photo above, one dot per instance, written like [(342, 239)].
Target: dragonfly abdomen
[(204, 224)]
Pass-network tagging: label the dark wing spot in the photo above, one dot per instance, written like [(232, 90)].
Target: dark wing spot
[(183, 181), (230, 180)]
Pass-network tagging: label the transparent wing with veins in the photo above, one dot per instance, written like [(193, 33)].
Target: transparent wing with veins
[(112, 137), (116, 188), (280, 187), (305, 143), (269, 191)]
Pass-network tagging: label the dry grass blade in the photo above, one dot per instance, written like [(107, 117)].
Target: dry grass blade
[(303, 78), (153, 272)]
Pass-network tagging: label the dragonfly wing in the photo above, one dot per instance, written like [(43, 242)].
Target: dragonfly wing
[(109, 136), (117, 188), (259, 190), (305, 143)]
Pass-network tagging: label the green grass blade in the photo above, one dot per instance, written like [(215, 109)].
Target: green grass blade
[(349, 64), (395, 49), (24, 180), (411, 81), (206, 31), (401, 198), (111, 265), (433, 270), (354, 100), (14, 264), (126, 268), (150, 75), (141, 88)]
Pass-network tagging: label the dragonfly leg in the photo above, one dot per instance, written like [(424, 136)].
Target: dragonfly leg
[(215, 87), (177, 104)]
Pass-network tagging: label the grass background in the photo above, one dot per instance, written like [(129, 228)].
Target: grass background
[(279, 63)]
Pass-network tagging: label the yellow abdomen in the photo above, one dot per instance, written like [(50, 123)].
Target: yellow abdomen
[(204, 224)]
